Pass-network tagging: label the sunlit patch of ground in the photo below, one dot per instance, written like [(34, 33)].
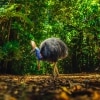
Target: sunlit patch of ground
[(65, 87)]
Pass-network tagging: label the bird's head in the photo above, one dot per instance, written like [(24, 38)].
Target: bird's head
[(34, 47)]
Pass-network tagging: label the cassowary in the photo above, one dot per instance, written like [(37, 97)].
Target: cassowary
[(51, 50)]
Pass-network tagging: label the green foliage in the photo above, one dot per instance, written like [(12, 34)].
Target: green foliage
[(12, 49), (76, 22), (10, 11)]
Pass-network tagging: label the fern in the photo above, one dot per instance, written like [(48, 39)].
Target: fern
[(9, 11)]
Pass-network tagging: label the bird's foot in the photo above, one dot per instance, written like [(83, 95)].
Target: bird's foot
[(55, 76)]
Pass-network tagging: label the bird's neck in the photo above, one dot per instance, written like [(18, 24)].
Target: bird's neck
[(38, 54)]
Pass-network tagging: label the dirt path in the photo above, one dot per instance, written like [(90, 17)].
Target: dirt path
[(42, 87)]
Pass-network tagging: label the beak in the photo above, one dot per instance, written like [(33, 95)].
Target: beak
[(38, 64), (32, 51)]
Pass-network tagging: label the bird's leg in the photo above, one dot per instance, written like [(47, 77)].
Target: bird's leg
[(38, 64), (55, 70)]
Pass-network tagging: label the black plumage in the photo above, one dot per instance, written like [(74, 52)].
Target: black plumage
[(51, 50)]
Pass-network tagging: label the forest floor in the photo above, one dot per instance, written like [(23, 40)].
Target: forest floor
[(44, 87)]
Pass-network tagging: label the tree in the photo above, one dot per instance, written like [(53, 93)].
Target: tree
[(76, 22)]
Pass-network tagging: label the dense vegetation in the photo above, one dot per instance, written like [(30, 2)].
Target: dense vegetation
[(76, 22)]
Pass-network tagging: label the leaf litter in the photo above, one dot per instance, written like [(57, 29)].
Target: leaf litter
[(44, 87)]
